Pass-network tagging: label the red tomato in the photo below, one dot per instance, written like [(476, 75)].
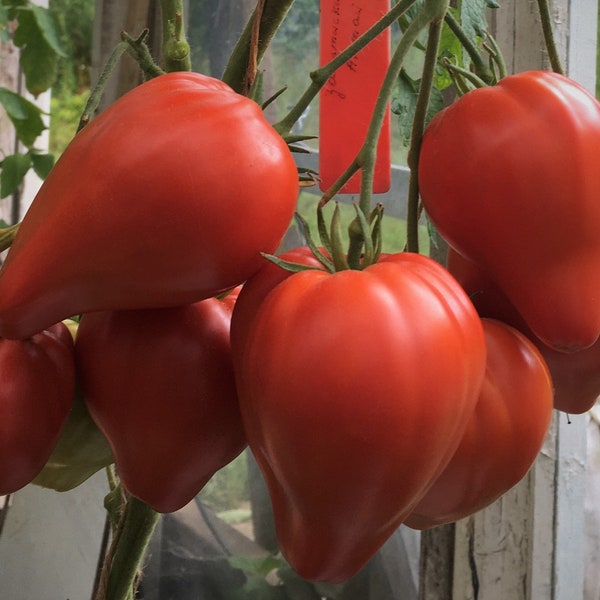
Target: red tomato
[(575, 376), (503, 437), (37, 378), (254, 291), (166, 198), (355, 389), (159, 383), (509, 176)]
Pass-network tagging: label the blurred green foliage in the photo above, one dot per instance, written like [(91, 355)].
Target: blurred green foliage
[(228, 488)]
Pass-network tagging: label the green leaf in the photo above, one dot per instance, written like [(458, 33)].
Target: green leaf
[(473, 17), (405, 103), (4, 35), (450, 47), (37, 36), (25, 116), (49, 29), (14, 168), (42, 164)]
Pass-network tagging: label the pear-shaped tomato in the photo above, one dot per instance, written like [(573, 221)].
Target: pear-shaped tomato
[(37, 383), (575, 375), (355, 389), (160, 385), (504, 434), (509, 175), (166, 198)]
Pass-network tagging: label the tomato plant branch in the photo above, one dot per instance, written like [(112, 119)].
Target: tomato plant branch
[(418, 127), (462, 77), (138, 48), (482, 70), (128, 550), (433, 10), (548, 31), (176, 49), (272, 14), (98, 89), (320, 76), (252, 68), (496, 57)]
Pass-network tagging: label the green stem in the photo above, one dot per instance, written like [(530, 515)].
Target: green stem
[(432, 10), (320, 76), (462, 76), (272, 15), (481, 69), (418, 127), (176, 49), (7, 236), (497, 58), (129, 548), (546, 18), (139, 50), (97, 91)]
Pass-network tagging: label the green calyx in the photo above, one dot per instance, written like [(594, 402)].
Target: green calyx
[(364, 248), (7, 235)]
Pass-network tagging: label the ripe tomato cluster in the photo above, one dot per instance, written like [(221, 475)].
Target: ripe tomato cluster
[(517, 200), (400, 392), (164, 201)]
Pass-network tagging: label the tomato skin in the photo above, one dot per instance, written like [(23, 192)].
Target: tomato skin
[(504, 434), (180, 158), (509, 176), (36, 395), (575, 375), (254, 291), (159, 383), (81, 449), (338, 373)]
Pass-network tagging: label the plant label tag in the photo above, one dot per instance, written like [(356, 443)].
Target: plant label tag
[(347, 100)]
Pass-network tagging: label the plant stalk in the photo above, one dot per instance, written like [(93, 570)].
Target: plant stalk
[(272, 13), (482, 70), (416, 138), (176, 49), (126, 555), (432, 10), (548, 31)]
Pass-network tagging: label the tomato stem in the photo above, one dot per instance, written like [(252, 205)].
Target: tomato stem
[(139, 50), (418, 127), (481, 69), (176, 49), (272, 14), (497, 61), (122, 565), (98, 89), (547, 29), (431, 10)]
